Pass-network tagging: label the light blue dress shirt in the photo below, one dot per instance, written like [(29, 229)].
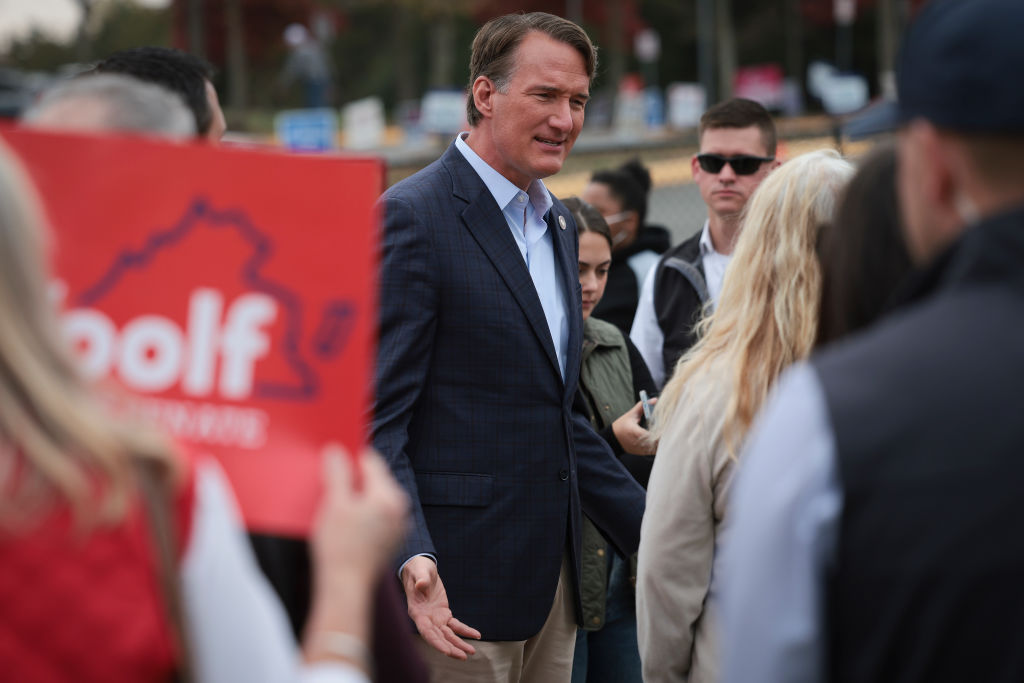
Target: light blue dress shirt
[(524, 212), (786, 505)]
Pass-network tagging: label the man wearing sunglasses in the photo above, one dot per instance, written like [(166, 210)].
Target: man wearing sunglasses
[(737, 151)]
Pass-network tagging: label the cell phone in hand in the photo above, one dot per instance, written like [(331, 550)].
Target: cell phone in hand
[(646, 405)]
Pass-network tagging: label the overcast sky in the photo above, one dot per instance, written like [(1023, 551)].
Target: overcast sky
[(56, 17)]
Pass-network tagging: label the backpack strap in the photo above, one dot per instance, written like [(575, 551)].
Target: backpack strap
[(692, 274)]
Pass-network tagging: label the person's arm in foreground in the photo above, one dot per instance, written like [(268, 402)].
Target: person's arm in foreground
[(784, 521), (238, 628)]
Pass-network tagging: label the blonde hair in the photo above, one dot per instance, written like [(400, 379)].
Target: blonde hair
[(56, 439), (768, 310)]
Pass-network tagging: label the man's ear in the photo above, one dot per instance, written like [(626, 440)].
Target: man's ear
[(938, 168), (931, 189), (483, 95)]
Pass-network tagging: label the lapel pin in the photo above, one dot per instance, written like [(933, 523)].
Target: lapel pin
[(561, 222)]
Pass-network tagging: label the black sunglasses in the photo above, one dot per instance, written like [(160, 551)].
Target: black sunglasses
[(744, 164)]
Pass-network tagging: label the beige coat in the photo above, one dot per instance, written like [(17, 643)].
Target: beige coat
[(679, 542)]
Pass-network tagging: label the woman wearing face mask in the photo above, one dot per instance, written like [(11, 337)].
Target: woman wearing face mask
[(611, 378), (621, 196)]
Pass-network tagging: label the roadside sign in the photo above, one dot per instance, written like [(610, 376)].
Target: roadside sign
[(307, 130)]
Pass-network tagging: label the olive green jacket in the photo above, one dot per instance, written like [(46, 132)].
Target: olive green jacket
[(607, 383)]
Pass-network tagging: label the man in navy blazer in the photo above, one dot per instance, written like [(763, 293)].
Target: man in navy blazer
[(479, 355)]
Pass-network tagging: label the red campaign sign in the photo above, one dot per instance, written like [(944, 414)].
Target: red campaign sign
[(231, 291)]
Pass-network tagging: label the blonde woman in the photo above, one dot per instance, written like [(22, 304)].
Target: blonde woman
[(766, 319), (115, 553)]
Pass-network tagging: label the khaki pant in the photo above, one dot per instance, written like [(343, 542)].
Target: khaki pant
[(544, 658)]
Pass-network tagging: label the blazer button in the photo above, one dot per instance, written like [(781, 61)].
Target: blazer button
[(563, 474)]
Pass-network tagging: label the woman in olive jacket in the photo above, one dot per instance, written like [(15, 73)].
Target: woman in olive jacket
[(612, 375)]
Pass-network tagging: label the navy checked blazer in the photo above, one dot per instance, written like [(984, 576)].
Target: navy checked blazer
[(471, 410)]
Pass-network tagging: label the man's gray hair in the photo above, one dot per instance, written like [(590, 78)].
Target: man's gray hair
[(112, 102)]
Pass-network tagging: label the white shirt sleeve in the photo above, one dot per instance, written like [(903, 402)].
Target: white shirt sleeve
[(646, 334), (237, 626), (785, 514)]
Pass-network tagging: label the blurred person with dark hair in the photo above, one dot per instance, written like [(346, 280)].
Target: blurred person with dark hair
[(737, 151), (189, 76), (111, 103), (621, 196), (863, 254), (481, 333), (876, 522), (768, 319), (123, 561), (611, 379)]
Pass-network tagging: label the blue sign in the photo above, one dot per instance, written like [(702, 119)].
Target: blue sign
[(307, 130)]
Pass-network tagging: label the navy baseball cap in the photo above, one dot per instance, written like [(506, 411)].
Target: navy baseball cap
[(960, 67)]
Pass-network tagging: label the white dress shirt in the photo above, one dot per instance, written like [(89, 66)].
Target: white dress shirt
[(714, 265)]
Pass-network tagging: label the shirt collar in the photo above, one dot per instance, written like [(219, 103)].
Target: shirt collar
[(707, 247), (500, 187)]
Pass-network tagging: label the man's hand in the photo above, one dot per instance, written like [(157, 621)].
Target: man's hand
[(428, 608), (632, 437)]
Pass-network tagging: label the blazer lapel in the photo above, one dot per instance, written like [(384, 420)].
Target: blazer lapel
[(567, 263), (488, 227)]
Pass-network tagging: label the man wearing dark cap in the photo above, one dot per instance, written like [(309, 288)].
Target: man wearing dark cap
[(876, 527)]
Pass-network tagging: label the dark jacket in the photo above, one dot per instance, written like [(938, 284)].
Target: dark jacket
[(622, 292), (928, 414), (680, 293), (472, 412)]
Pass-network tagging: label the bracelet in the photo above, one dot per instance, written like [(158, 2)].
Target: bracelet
[(347, 646)]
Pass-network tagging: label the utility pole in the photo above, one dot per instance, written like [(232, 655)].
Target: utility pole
[(442, 44), (844, 11), (574, 11), (726, 49), (794, 42), (706, 49), (83, 43), (196, 37), (616, 32), (406, 84), (888, 31), (237, 71)]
